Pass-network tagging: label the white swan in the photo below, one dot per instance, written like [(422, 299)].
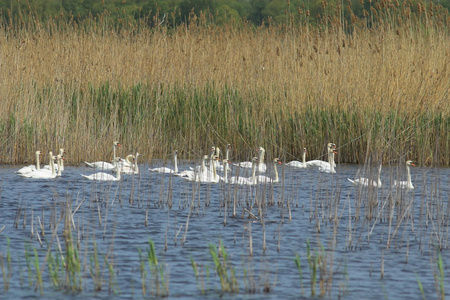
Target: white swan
[(127, 162), (408, 183), (298, 164), (266, 179), (225, 168), (249, 164), (210, 176), (363, 181), (31, 168), (103, 164), (191, 174), (59, 164), (168, 170), (323, 164), (132, 169), (243, 180), (227, 158), (329, 167), (43, 173), (102, 176)]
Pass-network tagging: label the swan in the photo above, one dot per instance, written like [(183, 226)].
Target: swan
[(323, 164), (225, 168), (210, 176), (406, 184), (363, 181), (329, 167), (31, 168), (127, 162), (43, 173), (266, 179), (296, 163), (103, 164), (133, 169), (243, 180), (167, 170), (59, 164), (227, 158), (191, 174), (261, 165), (102, 176)]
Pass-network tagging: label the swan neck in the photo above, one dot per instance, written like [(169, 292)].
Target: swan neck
[(114, 156), (408, 175), (175, 163), (225, 170), (38, 164), (59, 166), (276, 172), (304, 158), (52, 164), (253, 172)]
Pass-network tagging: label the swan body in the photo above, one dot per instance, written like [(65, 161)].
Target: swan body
[(363, 181), (408, 183), (60, 163), (103, 165), (261, 167), (324, 165), (168, 170), (191, 174), (266, 179), (243, 180), (298, 164), (43, 173), (210, 176), (102, 176), (132, 169), (31, 168)]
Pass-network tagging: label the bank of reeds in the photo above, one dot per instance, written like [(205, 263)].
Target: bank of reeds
[(379, 83)]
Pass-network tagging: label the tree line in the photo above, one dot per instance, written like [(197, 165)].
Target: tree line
[(175, 12)]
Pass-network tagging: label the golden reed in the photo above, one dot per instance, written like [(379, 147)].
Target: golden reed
[(373, 90)]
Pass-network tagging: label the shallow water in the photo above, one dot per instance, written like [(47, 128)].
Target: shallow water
[(324, 212)]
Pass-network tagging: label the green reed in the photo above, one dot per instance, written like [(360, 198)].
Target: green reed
[(223, 268), (159, 283), (6, 270)]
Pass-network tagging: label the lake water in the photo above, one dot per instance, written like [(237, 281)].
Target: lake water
[(355, 232)]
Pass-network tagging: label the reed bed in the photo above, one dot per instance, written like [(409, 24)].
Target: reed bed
[(380, 88)]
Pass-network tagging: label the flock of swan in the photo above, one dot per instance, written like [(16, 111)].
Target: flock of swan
[(207, 172)]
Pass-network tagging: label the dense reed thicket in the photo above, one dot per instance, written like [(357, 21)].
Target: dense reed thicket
[(379, 86)]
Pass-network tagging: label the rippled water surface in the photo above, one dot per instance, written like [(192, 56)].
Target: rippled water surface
[(400, 235)]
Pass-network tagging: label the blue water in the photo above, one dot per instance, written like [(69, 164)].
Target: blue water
[(322, 209)]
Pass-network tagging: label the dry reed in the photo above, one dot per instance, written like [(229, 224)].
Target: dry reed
[(83, 85)]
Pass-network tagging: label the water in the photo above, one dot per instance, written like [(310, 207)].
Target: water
[(353, 249)]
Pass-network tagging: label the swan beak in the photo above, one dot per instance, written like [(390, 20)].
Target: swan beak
[(279, 162), (412, 164)]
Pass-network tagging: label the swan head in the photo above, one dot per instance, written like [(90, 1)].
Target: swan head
[(277, 161), (175, 152), (117, 144), (229, 146), (38, 152), (213, 149), (261, 149), (410, 163), (255, 160), (304, 150)]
